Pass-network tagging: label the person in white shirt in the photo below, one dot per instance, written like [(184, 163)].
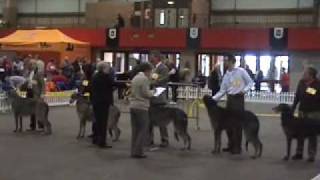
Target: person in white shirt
[(235, 84)]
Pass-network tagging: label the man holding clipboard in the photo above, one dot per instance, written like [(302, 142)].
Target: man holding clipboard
[(160, 79)]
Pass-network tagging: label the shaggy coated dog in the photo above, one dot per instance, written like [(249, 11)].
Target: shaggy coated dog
[(85, 114), (223, 119)]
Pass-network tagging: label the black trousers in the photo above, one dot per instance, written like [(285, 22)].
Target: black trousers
[(312, 141), (101, 112), (235, 103), (33, 123)]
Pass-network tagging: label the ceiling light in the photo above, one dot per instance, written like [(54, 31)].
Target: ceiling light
[(181, 17), (171, 2)]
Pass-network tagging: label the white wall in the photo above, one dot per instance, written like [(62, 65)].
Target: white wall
[(260, 4)]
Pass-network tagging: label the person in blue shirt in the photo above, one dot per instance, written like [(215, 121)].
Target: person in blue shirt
[(235, 84)]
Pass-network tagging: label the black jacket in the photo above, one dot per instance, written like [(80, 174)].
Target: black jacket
[(214, 81), (102, 89), (308, 96)]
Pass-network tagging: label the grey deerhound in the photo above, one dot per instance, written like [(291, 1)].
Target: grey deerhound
[(26, 107), (85, 114), (162, 115)]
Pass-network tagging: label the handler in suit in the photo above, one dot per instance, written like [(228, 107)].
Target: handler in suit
[(160, 78), (101, 98)]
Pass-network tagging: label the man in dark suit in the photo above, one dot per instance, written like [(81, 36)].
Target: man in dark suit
[(101, 98), (160, 78)]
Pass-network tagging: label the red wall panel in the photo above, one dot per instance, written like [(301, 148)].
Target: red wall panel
[(235, 39), (96, 37), (153, 38), (304, 39)]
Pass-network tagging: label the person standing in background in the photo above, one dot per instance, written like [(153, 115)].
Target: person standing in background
[(174, 78), (258, 80), (40, 65), (139, 105), (284, 81), (236, 82), (214, 80)]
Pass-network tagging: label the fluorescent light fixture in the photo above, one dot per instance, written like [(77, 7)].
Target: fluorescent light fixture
[(171, 2), (181, 17)]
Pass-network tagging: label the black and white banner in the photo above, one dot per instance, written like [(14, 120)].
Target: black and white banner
[(279, 38), (112, 37), (193, 38)]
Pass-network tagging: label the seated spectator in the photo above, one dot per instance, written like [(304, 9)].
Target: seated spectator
[(50, 86), (51, 68), (60, 81)]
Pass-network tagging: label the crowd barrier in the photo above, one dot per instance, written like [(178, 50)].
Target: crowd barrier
[(52, 98), (191, 92), (189, 98)]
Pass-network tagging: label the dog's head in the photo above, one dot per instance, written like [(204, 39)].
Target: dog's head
[(282, 108), (208, 101)]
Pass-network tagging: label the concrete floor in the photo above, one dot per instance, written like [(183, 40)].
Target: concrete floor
[(30, 156)]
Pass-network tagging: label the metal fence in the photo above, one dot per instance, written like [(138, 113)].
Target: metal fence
[(52, 98), (186, 92)]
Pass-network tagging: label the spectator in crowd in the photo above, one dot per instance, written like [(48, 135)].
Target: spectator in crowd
[(2, 70), (258, 80), (214, 80), (60, 81), (185, 73), (284, 81), (76, 66), (174, 78), (16, 81), (18, 66), (101, 98), (139, 105), (200, 79), (7, 66), (120, 23), (272, 77), (160, 78), (308, 98), (51, 68), (249, 71), (67, 69), (40, 65), (50, 85), (236, 82)]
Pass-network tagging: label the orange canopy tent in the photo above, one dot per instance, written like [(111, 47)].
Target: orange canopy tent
[(45, 40)]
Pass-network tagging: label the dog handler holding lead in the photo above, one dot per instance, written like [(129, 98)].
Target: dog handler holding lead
[(235, 83), (308, 96), (139, 105)]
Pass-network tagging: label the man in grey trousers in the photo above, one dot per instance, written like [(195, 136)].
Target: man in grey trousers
[(139, 105)]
